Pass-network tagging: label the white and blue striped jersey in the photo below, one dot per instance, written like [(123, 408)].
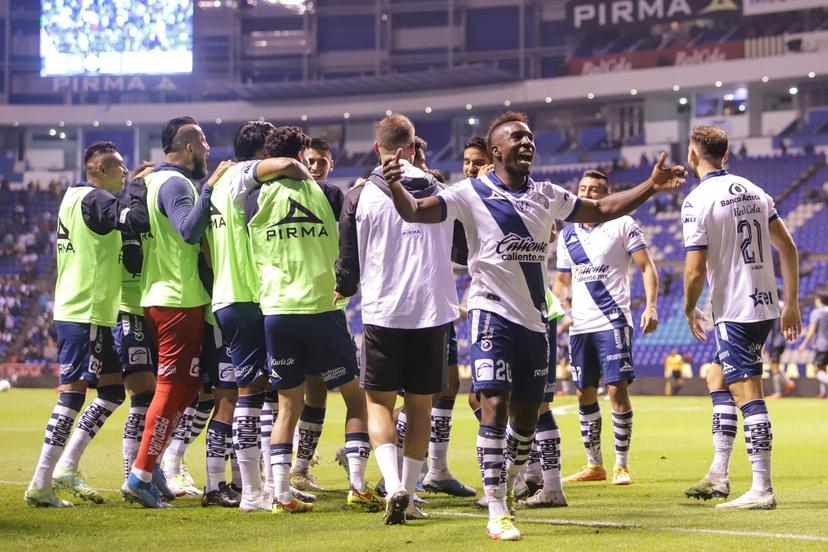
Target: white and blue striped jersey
[(729, 216), (508, 236), (599, 259)]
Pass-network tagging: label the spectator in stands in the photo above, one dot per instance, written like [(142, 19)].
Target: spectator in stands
[(743, 150), (673, 367)]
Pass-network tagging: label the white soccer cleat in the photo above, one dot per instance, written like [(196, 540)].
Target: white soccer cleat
[(44, 498), (502, 528), (181, 486), (751, 500), (263, 502), (545, 499), (712, 486)]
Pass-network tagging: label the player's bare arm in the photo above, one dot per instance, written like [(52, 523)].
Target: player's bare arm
[(782, 241), (623, 203), (649, 318), (411, 210), (281, 167), (695, 272)]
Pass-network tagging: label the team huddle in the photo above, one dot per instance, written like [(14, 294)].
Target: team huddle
[(227, 304)]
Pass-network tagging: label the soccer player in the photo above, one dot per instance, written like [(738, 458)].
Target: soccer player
[(294, 239), (730, 225), (87, 297), (235, 288), (319, 161), (173, 296), (475, 156), (818, 328), (594, 260), (409, 300), (508, 219)]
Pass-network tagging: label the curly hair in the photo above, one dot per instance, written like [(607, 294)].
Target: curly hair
[(286, 141)]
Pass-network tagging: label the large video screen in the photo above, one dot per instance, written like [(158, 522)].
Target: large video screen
[(116, 37)]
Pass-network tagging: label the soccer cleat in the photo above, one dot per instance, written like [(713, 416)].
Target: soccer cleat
[(74, 482), (305, 482), (304, 497), (143, 492), (415, 498), (222, 496), (520, 489), (342, 460), (709, 487), (159, 479), (45, 497), (543, 499), (482, 502), (365, 500), (295, 506), (379, 488), (414, 513), (181, 486), (621, 476), (263, 503), (590, 472), (235, 489), (395, 507), (502, 528), (751, 500), (450, 486)]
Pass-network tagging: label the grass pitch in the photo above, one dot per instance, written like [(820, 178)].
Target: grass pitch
[(671, 449)]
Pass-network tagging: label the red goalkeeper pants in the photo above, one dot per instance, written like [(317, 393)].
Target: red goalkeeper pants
[(179, 334)]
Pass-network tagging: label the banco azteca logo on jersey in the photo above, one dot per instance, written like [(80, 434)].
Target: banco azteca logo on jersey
[(522, 249), (301, 216)]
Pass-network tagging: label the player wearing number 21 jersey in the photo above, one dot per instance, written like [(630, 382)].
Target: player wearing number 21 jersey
[(730, 224)]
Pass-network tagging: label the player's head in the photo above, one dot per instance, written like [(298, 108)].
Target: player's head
[(287, 141), (319, 159), (821, 300), (708, 144), (438, 174), (395, 132), (105, 167), (593, 185), (250, 140), (673, 351), (475, 155), (420, 147), (184, 143), (512, 143)]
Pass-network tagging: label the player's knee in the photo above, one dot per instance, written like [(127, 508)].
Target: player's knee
[(112, 393)]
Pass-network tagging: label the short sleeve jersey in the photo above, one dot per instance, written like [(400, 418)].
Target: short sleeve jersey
[(599, 259), (729, 216), (508, 236)]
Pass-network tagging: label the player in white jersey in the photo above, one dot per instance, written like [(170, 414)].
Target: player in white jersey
[(508, 219), (730, 224), (594, 260)]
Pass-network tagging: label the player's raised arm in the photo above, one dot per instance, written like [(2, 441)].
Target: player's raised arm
[(427, 209), (281, 167), (782, 241), (622, 203)]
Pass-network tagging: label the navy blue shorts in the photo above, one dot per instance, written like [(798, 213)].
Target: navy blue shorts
[(216, 368), (242, 326), (452, 345), (739, 348), (135, 345), (607, 353), (85, 352), (551, 376), (299, 345), (508, 357)]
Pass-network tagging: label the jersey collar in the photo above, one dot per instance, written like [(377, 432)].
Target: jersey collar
[(714, 174), (499, 183)]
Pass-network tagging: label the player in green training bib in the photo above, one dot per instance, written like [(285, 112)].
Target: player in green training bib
[(294, 242), (87, 297)]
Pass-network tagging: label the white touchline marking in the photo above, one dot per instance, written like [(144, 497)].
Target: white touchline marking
[(563, 410), (615, 525), (24, 484)]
